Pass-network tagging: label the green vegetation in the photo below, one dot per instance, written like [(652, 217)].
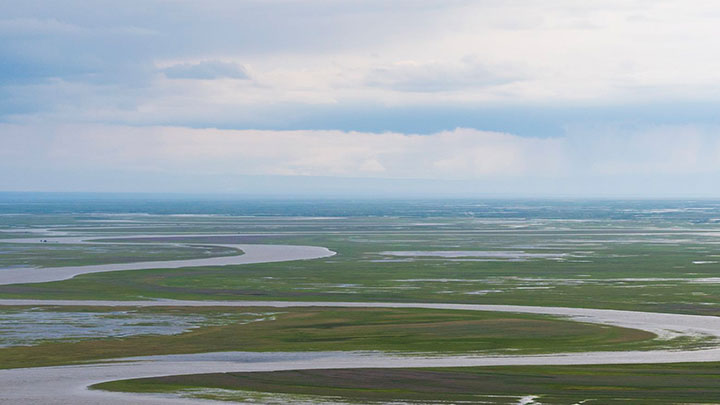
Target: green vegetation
[(57, 255), (667, 270), (619, 255), (636, 384), (328, 329)]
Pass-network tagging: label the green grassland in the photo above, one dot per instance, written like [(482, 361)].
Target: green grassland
[(598, 259), (607, 265), (330, 329), (617, 384), (57, 255)]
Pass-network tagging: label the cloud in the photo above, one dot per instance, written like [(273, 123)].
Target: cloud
[(657, 161), (97, 86), (206, 70), (458, 154), (29, 27), (416, 76), (311, 52), (655, 150), (95, 61)]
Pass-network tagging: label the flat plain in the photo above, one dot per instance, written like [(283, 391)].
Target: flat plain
[(658, 257)]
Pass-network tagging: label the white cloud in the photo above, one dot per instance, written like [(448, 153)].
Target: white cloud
[(206, 70), (651, 161), (434, 76), (609, 52), (457, 154), (23, 27)]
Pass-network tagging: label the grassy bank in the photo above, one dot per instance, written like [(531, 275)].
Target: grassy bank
[(636, 384), (327, 329), (662, 271)]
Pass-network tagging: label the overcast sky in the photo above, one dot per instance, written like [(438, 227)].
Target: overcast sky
[(362, 98)]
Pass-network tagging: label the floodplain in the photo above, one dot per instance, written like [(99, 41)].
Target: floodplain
[(659, 257)]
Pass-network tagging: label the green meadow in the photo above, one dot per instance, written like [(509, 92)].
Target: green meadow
[(688, 383), (569, 257), (624, 265), (401, 331)]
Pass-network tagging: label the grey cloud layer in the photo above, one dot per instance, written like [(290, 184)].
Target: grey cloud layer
[(457, 154), (462, 162), (107, 62), (116, 87), (206, 70)]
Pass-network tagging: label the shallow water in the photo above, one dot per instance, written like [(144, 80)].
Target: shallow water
[(68, 384), (25, 327), (251, 254), (29, 327), (474, 253)]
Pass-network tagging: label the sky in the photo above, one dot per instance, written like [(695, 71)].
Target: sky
[(442, 98)]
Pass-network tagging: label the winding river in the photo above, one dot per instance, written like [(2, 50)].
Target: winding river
[(68, 384), (247, 254)]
